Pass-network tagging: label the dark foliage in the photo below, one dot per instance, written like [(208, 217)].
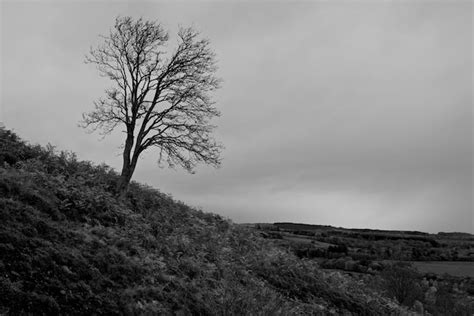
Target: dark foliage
[(402, 283), (68, 246)]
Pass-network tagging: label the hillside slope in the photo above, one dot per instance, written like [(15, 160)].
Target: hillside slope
[(68, 246)]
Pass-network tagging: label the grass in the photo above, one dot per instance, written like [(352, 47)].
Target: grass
[(455, 268), (68, 246)]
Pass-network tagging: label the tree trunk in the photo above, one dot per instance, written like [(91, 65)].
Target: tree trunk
[(125, 177), (128, 166)]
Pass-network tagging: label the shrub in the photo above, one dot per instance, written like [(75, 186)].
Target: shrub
[(69, 246), (401, 282), (338, 249)]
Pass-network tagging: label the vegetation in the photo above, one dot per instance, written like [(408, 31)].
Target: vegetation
[(373, 257), (377, 244), (401, 283), (161, 99), (68, 245)]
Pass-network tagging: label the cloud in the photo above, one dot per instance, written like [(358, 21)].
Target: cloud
[(351, 114)]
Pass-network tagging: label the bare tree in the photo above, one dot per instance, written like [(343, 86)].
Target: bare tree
[(161, 98)]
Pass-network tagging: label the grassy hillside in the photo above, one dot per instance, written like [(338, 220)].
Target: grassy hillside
[(68, 246), (436, 270)]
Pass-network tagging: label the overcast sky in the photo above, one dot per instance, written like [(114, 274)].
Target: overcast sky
[(354, 114)]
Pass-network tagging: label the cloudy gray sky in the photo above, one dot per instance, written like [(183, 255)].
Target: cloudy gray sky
[(347, 113)]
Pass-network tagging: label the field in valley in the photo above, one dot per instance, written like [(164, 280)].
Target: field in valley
[(454, 268)]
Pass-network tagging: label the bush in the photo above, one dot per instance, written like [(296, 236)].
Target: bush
[(401, 282), (338, 249), (69, 246)]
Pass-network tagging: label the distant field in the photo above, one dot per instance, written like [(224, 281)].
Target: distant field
[(454, 268)]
